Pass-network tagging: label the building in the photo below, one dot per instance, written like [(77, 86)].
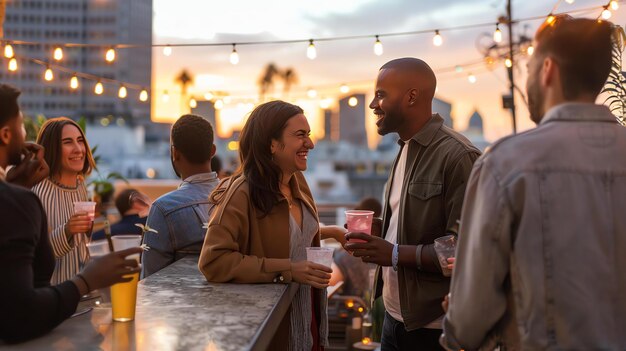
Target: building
[(352, 120), (55, 22)]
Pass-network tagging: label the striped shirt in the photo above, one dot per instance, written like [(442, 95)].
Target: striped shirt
[(58, 203)]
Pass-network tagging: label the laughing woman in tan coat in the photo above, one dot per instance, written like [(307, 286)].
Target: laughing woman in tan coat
[(264, 219)]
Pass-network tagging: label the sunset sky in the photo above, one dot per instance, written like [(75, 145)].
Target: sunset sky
[(348, 61)]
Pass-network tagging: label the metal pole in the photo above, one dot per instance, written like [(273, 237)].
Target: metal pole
[(510, 69)]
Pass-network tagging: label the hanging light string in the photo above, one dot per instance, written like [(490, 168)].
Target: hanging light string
[(310, 41)]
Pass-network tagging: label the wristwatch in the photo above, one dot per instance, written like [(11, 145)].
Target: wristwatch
[(279, 279)]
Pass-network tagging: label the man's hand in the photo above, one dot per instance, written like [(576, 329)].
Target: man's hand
[(33, 168), (374, 249), (450, 263)]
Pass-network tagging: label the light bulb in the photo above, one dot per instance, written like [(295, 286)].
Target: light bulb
[(193, 103), (569, 1), (8, 51), (471, 78), (378, 47), (143, 95), (234, 56), (208, 96), (58, 53), (98, 89), (122, 93), (344, 89), (550, 19), (311, 52), (219, 104), (606, 14), (437, 39), (353, 101), (13, 64), (325, 103), (508, 63), (530, 50), (110, 55), (167, 51), (497, 35), (48, 76), (311, 93), (74, 82), (166, 96), (614, 5)]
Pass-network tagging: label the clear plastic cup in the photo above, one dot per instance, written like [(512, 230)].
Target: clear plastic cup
[(86, 206), (359, 221), (98, 248), (320, 255), (445, 247), (123, 242)]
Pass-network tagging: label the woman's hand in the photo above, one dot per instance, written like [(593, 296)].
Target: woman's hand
[(111, 269), (309, 273), (334, 232), (78, 223)]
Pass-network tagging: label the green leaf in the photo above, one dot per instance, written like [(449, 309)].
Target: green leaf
[(82, 122)]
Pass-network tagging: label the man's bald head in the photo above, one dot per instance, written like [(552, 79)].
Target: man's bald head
[(414, 73)]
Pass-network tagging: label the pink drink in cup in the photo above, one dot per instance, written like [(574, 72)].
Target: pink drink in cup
[(359, 221), (86, 206)]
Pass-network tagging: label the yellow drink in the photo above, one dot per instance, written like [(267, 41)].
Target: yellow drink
[(123, 300)]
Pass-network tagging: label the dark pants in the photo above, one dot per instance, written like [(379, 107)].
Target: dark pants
[(397, 338)]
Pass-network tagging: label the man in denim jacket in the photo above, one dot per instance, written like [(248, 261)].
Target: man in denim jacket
[(541, 262), (179, 216)]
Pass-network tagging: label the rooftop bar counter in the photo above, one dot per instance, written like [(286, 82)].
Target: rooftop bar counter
[(177, 309)]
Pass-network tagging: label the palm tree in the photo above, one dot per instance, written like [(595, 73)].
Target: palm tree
[(266, 82), (615, 85), (290, 78), (184, 78)]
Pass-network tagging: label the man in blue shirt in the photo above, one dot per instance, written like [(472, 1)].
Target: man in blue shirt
[(179, 216), (133, 206)]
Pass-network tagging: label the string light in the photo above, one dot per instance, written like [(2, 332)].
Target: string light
[(344, 89), (378, 47), (58, 53), (353, 101), (311, 93), (122, 93), (110, 55), (208, 96), (99, 88), (74, 82), (569, 1), (167, 51), (8, 51), (437, 39), (193, 103), (13, 64), (550, 19), (614, 5), (166, 96), (311, 51), (530, 50), (143, 95), (471, 78), (219, 104), (234, 56), (606, 13), (508, 63), (48, 76), (497, 35)]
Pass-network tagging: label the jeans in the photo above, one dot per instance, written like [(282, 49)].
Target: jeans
[(396, 338)]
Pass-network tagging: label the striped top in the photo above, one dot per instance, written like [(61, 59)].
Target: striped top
[(58, 203)]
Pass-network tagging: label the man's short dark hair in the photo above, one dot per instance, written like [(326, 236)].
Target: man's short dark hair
[(122, 200), (582, 48), (216, 164), (192, 136), (8, 103)]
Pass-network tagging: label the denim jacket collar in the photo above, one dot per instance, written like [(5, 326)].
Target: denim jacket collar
[(578, 112), (198, 178)]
